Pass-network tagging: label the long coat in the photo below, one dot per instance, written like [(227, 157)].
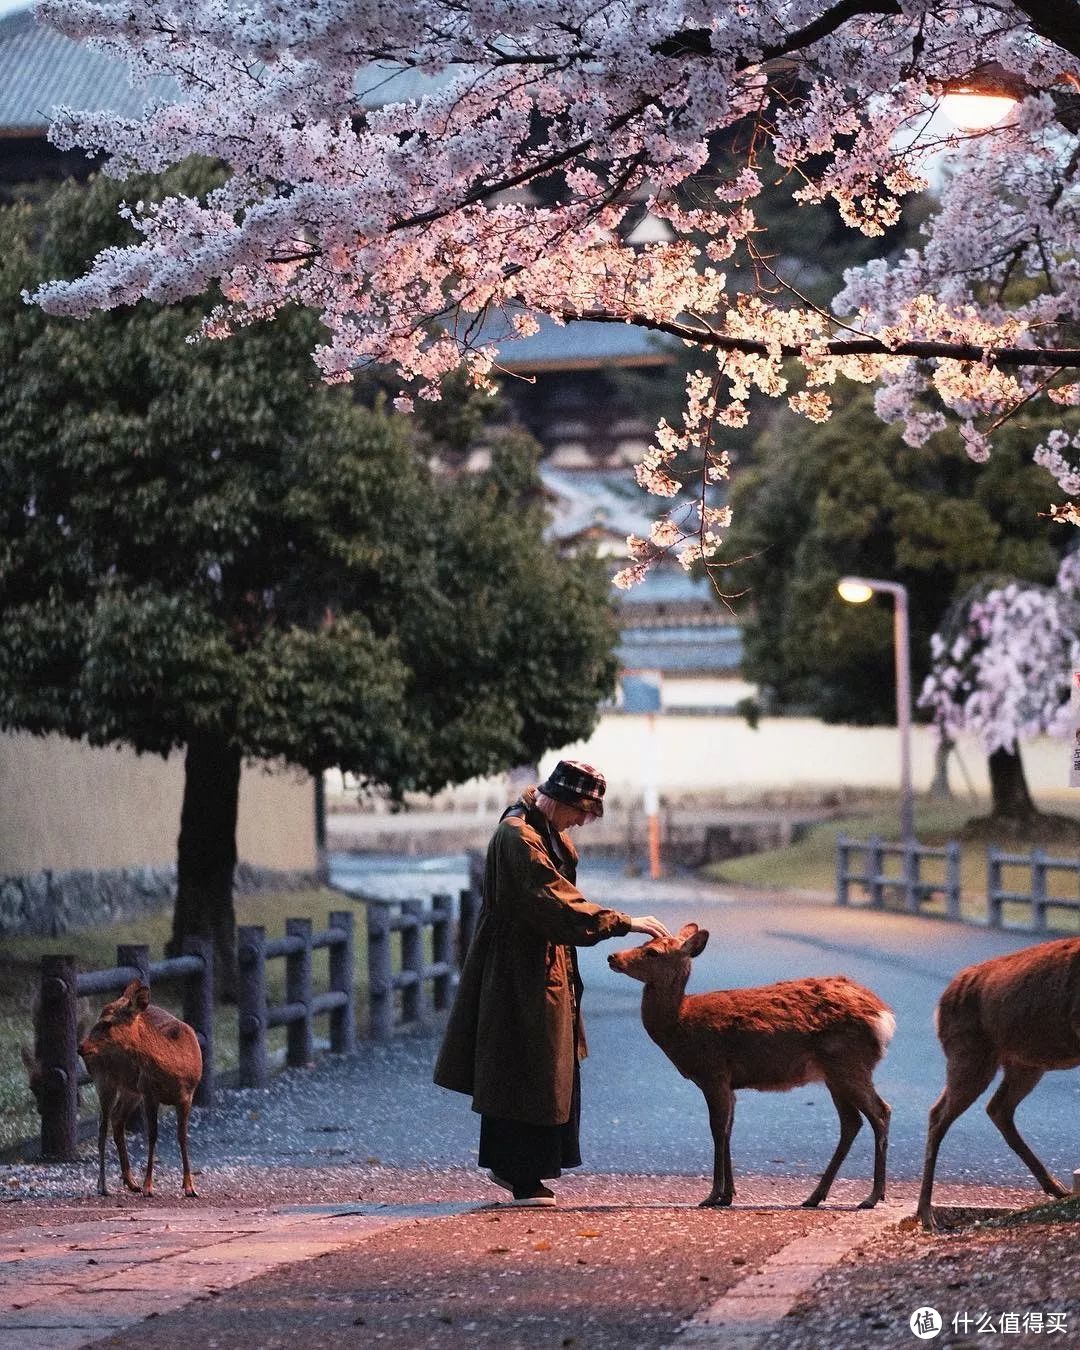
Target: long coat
[(515, 1028)]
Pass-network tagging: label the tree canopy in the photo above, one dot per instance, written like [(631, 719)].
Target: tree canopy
[(423, 224), (204, 547), (850, 497)]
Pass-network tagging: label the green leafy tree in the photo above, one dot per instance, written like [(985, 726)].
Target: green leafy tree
[(203, 548), (813, 503)]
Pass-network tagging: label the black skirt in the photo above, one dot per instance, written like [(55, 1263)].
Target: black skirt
[(523, 1154)]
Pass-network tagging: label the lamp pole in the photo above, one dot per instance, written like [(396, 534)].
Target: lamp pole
[(857, 590)]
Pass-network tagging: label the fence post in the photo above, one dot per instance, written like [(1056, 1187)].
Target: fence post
[(875, 866), (198, 1012), (993, 887), (57, 1050), (911, 876), (952, 879), (342, 981), (442, 908), (843, 845), (380, 972), (468, 907), (251, 1005), (300, 1042), (137, 955), (412, 959), (1038, 889)]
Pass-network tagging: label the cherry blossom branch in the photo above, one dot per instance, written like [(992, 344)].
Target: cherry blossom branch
[(1062, 358)]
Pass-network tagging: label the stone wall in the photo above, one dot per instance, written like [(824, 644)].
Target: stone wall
[(48, 904)]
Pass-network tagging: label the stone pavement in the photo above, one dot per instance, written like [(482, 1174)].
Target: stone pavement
[(623, 1261)]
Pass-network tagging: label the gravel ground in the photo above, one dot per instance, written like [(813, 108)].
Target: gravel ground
[(973, 1279)]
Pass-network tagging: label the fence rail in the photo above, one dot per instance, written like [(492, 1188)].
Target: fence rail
[(56, 1038), (1038, 897), (410, 918), (256, 1016), (912, 886)]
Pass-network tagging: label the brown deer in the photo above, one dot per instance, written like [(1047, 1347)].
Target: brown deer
[(772, 1038), (1020, 1013), (136, 1052)]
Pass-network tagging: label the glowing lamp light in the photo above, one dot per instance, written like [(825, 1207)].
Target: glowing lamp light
[(971, 110), (854, 590), (983, 99)]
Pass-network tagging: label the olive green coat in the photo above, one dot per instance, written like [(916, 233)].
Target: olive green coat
[(510, 1042)]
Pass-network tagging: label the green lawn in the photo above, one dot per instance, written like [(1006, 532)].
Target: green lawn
[(96, 949), (810, 863)]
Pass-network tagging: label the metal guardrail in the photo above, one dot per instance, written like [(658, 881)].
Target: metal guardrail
[(910, 884), (1038, 897), (256, 1016), (56, 1039)]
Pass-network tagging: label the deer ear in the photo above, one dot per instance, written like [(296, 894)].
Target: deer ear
[(131, 990), (686, 931), (694, 945), (142, 997)]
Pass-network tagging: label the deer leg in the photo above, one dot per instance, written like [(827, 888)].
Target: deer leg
[(183, 1111), (105, 1103), (120, 1116), (968, 1071), (850, 1125), (878, 1112), (150, 1106), (1016, 1083), (721, 1103)]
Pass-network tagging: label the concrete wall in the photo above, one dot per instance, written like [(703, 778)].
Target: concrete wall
[(722, 758), (64, 805), (723, 755)]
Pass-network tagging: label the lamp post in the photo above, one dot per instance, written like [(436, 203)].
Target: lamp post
[(856, 591)]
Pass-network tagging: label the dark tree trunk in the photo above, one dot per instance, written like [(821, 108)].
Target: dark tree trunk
[(206, 854), (1009, 795), (940, 791)]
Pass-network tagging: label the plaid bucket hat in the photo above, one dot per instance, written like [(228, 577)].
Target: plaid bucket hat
[(576, 784)]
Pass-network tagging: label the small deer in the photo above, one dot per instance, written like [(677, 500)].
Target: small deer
[(1020, 1013), (136, 1052), (772, 1038)]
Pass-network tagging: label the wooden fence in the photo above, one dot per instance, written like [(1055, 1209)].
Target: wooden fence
[(1039, 865), (909, 884), (914, 889), (301, 1005), (418, 989)]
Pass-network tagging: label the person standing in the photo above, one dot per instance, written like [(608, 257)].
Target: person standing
[(515, 1038)]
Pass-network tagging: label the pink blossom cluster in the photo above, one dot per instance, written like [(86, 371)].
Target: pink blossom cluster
[(408, 224), (1002, 666)]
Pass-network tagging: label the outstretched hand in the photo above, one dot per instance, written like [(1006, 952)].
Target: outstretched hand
[(649, 924)]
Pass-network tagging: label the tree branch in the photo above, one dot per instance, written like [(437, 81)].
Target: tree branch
[(1065, 358)]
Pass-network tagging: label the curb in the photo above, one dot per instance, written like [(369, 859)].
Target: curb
[(754, 1305)]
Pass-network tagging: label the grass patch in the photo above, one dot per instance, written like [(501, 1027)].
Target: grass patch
[(96, 950), (809, 863)]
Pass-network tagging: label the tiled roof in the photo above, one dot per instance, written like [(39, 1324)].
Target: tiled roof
[(41, 69), (682, 649), (581, 345)]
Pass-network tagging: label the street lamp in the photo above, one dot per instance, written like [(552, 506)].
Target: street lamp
[(856, 591)]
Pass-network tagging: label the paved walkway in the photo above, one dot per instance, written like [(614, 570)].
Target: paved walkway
[(607, 1269)]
